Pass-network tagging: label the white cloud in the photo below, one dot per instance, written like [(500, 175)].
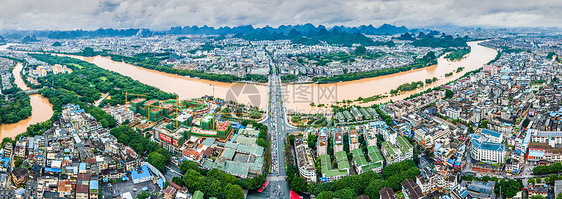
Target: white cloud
[(93, 14)]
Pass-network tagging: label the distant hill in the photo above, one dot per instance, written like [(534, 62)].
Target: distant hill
[(1, 39), (385, 29), (406, 36), (71, 34), (334, 36), (445, 41), (306, 30), (29, 39)]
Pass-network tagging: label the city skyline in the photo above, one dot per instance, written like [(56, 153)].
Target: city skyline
[(69, 15)]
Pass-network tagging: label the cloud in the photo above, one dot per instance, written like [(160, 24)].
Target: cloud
[(160, 15)]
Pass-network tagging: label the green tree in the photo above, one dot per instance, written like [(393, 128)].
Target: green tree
[(186, 165), (178, 181), (261, 142), (211, 187), (537, 197), (143, 195), (345, 194), (526, 122), (157, 160), (299, 184), (18, 162), (233, 192), (531, 180), (191, 179), (255, 114), (7, 140), (360, 50), (538, 180), (292, 139), (374, 187), (325, 195)]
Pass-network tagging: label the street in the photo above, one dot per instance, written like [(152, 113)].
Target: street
[(278, 129)]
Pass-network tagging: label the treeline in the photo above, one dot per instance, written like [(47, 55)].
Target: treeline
[(255, 78), (215, 183), (427, 60), (368, 183), (154, 65), (387, 119), (458, 54), (16, 108), (90, 82), (407, 87), (14, 105), (157, 156), (60, 97), (544, 169), (429, 81), (289, 78)]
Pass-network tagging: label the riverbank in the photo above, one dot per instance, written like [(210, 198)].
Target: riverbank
[(298, 96), (382, 85), (41, 109), (185, 87)]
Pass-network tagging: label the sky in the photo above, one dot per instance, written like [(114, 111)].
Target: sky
[(163, 14)]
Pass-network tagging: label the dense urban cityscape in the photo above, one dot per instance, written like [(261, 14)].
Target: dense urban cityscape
[(295, 111)]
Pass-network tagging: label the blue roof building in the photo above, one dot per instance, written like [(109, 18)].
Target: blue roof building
[(94, 185), (141, 175), (482, 150), (82, 168), (493, 136)]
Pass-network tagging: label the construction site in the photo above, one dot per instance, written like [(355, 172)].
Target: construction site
[(174, 122)]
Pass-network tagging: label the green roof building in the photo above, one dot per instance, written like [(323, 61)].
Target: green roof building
[(328, 173), (197, 195)]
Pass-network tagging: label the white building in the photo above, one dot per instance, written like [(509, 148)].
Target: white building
[(305, 162), (453, 112), (482, 150)]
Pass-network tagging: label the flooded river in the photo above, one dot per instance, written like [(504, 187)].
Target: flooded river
[(41, 109), (298, 97)]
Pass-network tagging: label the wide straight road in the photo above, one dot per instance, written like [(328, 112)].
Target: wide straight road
[(278, 129)]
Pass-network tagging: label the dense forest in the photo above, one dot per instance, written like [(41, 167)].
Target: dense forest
[(14, 105), (407, 87), (90, 81), (157, 156), (458, 54), (427, 60), (16, 108), (87, 83)]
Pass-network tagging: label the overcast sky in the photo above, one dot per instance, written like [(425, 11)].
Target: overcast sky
[(162, 14)]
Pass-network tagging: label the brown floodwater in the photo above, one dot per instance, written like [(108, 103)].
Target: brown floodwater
[(298, 97), (41, 109), (185, 87), (352, 90)]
